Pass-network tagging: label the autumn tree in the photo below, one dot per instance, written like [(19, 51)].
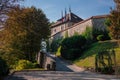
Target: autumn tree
[(24, 30), (114, 21), (117, 4)]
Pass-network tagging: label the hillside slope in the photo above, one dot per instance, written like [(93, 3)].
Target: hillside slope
[(88, 59)]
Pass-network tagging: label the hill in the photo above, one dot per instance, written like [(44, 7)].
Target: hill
[(88, 57)]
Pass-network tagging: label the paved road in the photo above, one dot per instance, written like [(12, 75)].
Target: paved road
[(65, 71), (62, 65), (58, 75)]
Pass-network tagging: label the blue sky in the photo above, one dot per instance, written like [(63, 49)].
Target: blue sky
[(82, 8)]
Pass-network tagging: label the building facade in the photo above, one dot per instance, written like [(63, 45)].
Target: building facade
[(71, 24)]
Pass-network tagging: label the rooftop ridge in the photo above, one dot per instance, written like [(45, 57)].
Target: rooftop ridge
[(68, 17)]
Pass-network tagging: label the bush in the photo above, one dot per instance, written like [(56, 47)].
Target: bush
[(103, 37), (107, 70), (55, 45), (96, 33), (4, 70), (71, 54), (88, 35), (72, 47), (25, 64), (11, 56), (100, 37), (105, 61)]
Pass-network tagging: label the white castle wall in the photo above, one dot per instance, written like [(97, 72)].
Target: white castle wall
[(80, 27), (61, 27)]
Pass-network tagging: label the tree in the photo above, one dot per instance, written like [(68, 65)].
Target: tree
[(72, 47), (6, 6), (117, 4), (88, 34), (115, 25), (114, 17), (24, 30)]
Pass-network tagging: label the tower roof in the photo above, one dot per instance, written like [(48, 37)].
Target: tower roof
[(68, 17)]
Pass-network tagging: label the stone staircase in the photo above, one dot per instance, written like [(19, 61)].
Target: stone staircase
[(58, 75)]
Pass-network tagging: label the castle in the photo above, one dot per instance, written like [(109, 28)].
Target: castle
[(71, 24)]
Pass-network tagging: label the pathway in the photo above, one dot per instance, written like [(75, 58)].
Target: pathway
[(62, 65)]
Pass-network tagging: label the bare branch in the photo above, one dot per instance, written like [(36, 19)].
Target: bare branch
[(6, 6)]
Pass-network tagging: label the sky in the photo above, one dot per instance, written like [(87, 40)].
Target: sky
[(82, 8)]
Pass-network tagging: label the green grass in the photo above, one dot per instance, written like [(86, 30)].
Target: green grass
[(41, 69), (88, 59), (58, 52)]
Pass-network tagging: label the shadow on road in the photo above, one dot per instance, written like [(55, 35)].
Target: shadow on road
[(15, 78), (59, 75), (62, 66)]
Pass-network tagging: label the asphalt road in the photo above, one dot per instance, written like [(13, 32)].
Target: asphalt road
[(64, 71), (58, 75)]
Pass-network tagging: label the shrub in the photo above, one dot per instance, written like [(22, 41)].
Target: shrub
[(103, 37), (4, 70), (97, 32), (71, 54), (72, 47), (11, 56), (107, 70), (24, 64), (55, 45), (58, 52), (88, 34), (104, 61), (118, 71), (100, 37)]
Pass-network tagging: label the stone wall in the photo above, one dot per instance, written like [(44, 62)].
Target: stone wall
[(46, 61)]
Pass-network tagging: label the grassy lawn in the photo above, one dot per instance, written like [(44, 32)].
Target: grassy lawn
[(34, 69), (88, 59), (58, 52)]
